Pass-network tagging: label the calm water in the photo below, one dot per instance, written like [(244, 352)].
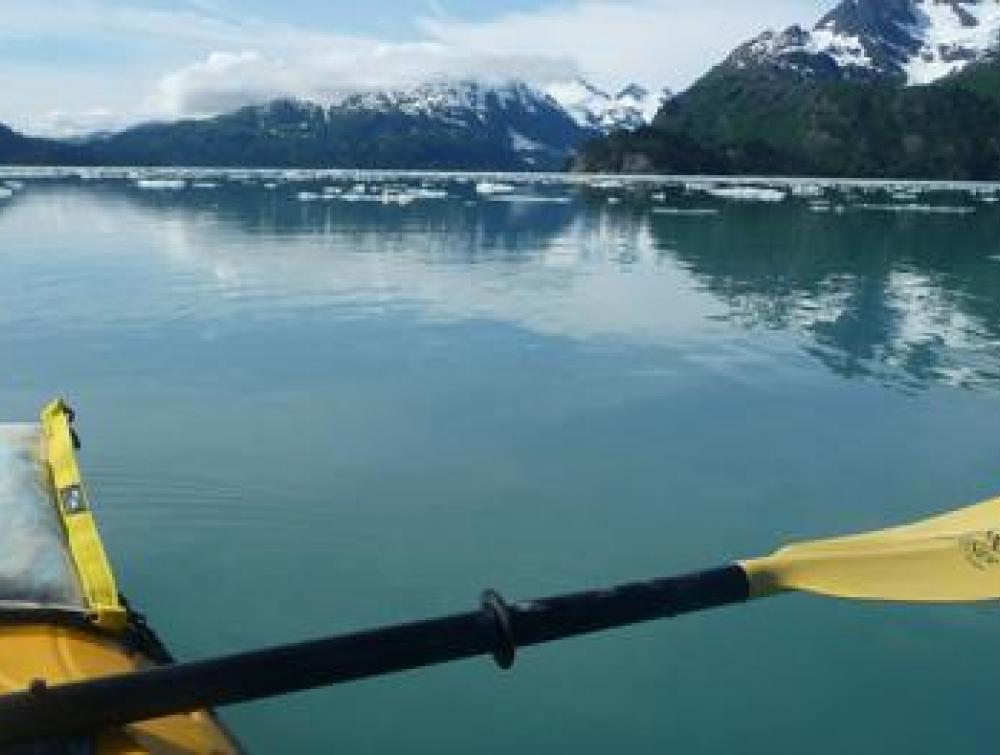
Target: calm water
[(306, 417)]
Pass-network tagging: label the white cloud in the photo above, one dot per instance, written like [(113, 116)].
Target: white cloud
[(221, 82), (224, 81), (66, 124), (656, 42)]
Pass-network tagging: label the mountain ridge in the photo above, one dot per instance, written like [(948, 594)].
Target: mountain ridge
[(902, 41), (448, 124), (783, 103), (437, 127)]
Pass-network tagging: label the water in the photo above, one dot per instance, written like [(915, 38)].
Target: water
[(310, 416)]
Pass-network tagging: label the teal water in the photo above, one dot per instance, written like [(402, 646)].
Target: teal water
[(310, 416)]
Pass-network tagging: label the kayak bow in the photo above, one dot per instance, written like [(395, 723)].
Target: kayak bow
[(43, 646)]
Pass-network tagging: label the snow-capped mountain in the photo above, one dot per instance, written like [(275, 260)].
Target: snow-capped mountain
[(532, 125), (594, 108), (450, 99), (441, 125), (589, 106), (446, 124), (906, 41)]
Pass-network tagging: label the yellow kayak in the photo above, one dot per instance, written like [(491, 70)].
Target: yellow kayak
[(61, 616)]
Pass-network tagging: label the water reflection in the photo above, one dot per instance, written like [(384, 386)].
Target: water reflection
[(901, 298), (904, 298)]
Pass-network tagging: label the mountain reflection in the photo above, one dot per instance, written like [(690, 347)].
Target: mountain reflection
[(903, 298), (891, 295)]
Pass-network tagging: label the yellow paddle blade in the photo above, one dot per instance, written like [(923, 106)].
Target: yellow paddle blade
[(950, 558)]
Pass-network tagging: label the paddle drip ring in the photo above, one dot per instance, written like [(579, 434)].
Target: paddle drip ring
[(496, 609)]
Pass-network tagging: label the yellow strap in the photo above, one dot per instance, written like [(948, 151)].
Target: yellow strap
[(92, 566)]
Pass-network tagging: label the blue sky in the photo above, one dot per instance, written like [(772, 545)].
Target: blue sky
[(77, 65)]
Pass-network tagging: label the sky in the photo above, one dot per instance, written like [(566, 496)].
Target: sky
[(75, 66)]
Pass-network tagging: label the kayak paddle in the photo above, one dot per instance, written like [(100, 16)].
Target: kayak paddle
[(950, 558)]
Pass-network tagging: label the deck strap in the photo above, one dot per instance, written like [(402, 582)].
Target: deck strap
[(73, 505)]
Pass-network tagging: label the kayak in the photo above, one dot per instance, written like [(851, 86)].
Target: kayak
[(62, 618)]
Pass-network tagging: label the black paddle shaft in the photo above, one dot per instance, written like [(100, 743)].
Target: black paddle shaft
[(46, 713)]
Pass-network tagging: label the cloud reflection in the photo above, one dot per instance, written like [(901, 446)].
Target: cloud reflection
[(904, 300)]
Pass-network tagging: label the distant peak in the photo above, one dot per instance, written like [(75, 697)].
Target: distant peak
[(634, 91), (904, 41), (595, 108), (591, 88)]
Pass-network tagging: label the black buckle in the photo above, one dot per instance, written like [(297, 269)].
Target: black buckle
[(496, 609)]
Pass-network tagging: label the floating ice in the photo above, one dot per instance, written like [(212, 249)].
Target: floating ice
[(690, 211), (161, 184), (607, 183), (530, 199), (488, 188), (746, 193), (922, 208), (428, 193), (6, 193), (807, 191), (401, 198)]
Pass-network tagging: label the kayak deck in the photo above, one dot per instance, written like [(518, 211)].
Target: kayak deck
[(36, 567), (61, 617), (60, 654)]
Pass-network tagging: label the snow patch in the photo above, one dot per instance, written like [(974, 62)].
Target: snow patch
[(592, 107), (846, 50), (521, 143), (953, 35)]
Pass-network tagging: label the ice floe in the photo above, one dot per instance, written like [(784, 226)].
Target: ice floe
[(688, 211), (489, 188), (922, 208), (402, 187), (530, 199), (746, 193), (607, 183), (161, 184)]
